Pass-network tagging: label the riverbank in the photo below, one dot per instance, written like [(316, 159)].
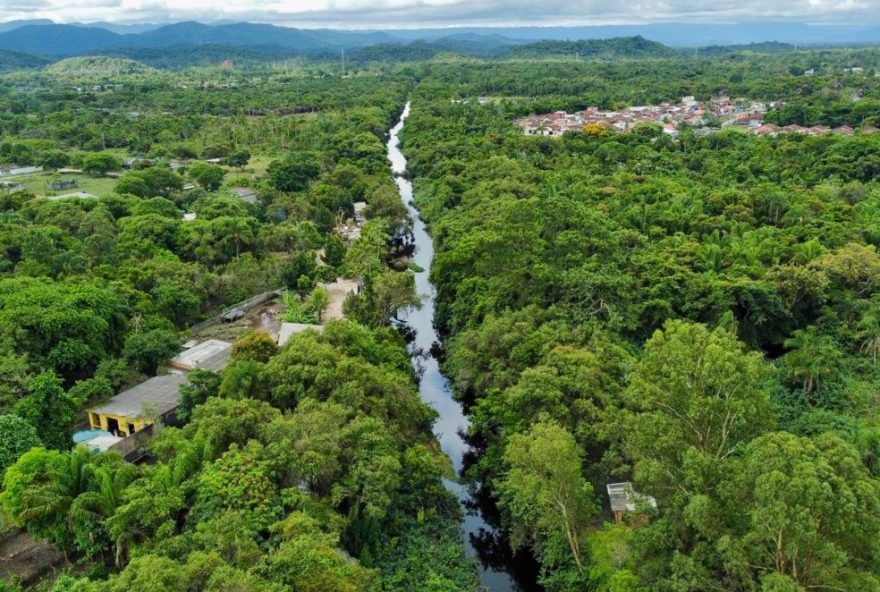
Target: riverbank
[(434, 388)]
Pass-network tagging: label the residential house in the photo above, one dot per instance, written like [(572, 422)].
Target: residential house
[(768, 129), (154, 400), (212, 354)]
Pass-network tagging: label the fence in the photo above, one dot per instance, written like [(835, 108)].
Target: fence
[(245, 305), (130, 447)]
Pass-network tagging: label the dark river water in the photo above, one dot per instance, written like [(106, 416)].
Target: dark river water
[(500, 570)]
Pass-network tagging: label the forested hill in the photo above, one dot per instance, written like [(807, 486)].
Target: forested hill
[(490, 46), (68, 40), (186, 56), (96, 66), (13, 60), (628, 47)]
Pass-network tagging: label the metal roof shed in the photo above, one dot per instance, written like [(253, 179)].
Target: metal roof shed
[(624, 499), (212, 354), (158, 395)]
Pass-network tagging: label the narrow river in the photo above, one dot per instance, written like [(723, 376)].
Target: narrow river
[(434, 388)]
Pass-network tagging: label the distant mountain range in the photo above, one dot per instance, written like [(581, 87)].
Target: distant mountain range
[(34, 43), (678, 34), (68, 40)]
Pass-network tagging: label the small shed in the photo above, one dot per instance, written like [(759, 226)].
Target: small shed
[(624, 499), (212, 354), (63, 184), (130, 411), (245, 194), (360, 208)]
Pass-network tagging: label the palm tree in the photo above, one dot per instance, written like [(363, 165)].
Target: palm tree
[(99, 504), (869, 333), (319, 300), (813, 358), (50, 501), (867, 442)]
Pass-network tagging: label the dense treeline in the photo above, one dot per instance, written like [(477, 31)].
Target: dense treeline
[(621, 47), (309, 468), (695, 315), (312, 467), (93, 287)]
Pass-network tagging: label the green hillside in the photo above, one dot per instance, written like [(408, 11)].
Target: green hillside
[(96, 66), (618, 47), (14, 60)]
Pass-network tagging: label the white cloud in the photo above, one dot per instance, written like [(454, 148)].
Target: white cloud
[(396, 13)]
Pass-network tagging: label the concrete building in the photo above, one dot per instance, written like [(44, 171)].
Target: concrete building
[(139, 407), (212, 354)]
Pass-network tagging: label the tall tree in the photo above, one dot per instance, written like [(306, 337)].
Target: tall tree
[(698, 397), (544, 495)]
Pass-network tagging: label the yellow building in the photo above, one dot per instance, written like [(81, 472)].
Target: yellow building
[(131, 411)]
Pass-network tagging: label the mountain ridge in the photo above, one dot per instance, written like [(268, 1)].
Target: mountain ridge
[(41, 37)]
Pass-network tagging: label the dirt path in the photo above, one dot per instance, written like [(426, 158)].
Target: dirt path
[(338, 291), (27, 560)]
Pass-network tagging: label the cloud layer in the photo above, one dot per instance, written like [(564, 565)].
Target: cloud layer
[(411, 13)]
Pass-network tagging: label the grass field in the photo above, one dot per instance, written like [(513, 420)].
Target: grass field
[(38, 184)]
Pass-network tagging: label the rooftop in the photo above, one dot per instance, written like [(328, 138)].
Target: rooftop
[(212, 354), (158, 395), (245, 194), (624, 498)]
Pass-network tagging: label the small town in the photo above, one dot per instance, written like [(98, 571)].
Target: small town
[(717, 113)]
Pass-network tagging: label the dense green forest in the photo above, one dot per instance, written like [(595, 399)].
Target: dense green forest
[(310, 467), (696, 315)]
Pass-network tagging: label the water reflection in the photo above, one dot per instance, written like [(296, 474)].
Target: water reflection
[(501, 570)]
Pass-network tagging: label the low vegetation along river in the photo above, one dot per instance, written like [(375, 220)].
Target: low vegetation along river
[(435, 390)]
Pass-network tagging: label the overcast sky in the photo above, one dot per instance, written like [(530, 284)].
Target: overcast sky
[(414, 13)]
